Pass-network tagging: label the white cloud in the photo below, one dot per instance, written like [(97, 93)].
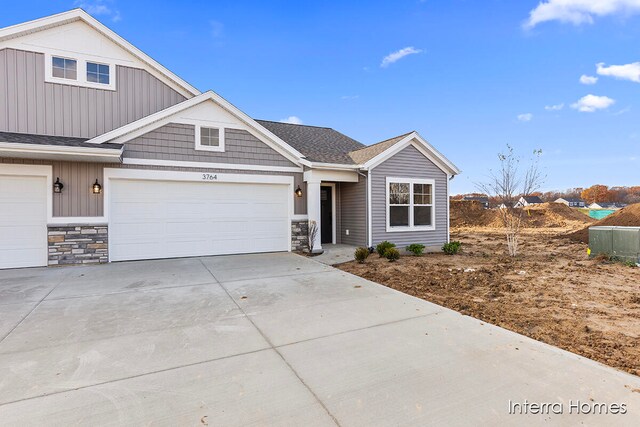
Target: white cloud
[(588, 80), (398, 55), (579, 12), (526, 117), (294, 120), (349, 97), (622, 72), (99, 8), (591, 103), (556, 107)]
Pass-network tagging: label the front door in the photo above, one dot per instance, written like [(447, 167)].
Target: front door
[(326, 215)]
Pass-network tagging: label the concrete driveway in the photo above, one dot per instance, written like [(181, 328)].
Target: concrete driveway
[(273, 339)]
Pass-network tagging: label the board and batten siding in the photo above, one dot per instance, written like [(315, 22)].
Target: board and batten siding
[(177, 142), (408, 163), (353, 209), (77, 200), (28, 104)]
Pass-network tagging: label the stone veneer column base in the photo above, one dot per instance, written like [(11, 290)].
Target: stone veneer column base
[(299, 236), (78, 244)]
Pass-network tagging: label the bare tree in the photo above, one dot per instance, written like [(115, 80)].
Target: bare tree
[(312, 235), (507, 185)]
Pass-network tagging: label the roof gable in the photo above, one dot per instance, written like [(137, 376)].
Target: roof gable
[(207, 108), (395, 145), (77, 32)]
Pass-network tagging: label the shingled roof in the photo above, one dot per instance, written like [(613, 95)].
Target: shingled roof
[(365, 154), (65, 141), (318, 144)]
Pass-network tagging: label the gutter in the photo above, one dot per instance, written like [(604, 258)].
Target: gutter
[(27, 150)]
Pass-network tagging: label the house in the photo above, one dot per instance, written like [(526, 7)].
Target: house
[(572, 202), (607, 205), (106, 155), (528, 201), (483, 200)]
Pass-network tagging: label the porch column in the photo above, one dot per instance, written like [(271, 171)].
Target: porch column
[(313, 211)]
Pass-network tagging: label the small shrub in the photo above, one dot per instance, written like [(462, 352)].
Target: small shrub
[(451, 248), (392, 254), (361, 254), (383, 247), (416, 248)]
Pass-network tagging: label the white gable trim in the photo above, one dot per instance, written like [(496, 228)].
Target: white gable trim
[(415, 140), (161, 118), (154, 67)]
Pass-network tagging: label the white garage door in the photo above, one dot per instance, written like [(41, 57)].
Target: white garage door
[(23, 221), (166, 219)]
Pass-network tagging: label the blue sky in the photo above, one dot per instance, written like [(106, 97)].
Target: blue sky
[(470, 76)]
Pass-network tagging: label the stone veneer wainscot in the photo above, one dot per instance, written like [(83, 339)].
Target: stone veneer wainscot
[(78, 244), (299, 235)]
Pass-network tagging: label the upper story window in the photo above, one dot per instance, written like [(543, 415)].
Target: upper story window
[(209, 138), (64, 68), (97, 73), (81, 70)]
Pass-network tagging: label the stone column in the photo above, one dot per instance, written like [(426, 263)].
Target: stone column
[(313, 210)]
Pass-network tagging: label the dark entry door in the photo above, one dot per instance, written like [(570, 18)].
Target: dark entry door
[(326, 215)]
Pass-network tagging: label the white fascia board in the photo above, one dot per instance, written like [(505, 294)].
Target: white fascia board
[(207, 165), (423, 146), (153, 121), (59, 19), (339, 166), (19, 148), (319, 175)]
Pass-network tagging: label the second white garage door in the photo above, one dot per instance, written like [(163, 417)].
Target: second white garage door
[(168, 219)]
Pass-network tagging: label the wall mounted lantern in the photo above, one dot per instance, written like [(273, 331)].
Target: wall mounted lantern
[(57, 186), (96, 188), (298, 192)]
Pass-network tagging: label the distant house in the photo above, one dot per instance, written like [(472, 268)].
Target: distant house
[(607, 205), (572, 202), (528, 201), (483, 200), (505, 205)]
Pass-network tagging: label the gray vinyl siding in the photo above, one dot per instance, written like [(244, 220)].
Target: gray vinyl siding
[(177, 142), (353, 212), (408, 163), (28, 104), (76, 199)]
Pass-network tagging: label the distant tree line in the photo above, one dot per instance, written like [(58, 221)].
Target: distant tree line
[(594, 194)]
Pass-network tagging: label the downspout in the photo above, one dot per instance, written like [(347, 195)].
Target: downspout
[(367, 209), (450, 177)]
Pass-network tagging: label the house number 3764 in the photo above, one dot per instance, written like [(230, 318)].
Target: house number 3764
[(209, 177)]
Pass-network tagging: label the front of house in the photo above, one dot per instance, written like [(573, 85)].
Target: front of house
[(105, 155)]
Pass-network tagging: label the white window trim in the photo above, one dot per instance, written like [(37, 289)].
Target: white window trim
[(81, 70), (411, 227), (200, 147)]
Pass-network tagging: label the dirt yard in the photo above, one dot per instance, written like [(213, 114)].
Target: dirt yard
[(552, 292)]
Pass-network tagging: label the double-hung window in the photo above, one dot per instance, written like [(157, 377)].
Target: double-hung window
[(410, 204)]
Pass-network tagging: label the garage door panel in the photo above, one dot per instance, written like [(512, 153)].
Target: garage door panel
[(23, 221), (196, 219)]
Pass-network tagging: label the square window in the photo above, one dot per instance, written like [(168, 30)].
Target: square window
[(97, 73), (210, 137), (64, 68), (410, 204)]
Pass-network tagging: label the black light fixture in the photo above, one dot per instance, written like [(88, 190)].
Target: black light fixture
[(96, 188), (57, 186), (298, 192)]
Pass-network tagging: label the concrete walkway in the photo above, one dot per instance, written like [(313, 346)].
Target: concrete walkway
[(274, 339)]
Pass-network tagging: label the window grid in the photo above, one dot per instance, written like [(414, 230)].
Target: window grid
[(97, 73), (210, 137), (64, 68)]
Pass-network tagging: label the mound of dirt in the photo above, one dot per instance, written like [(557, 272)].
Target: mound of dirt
[(625, 217), (546, 215)]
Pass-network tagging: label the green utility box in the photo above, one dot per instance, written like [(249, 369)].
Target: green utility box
[(623, 242)]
